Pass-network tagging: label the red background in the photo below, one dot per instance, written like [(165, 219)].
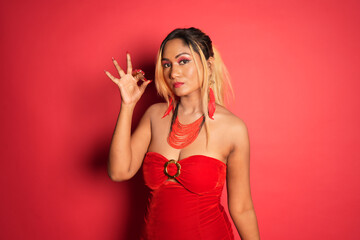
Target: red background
[(295, 73)]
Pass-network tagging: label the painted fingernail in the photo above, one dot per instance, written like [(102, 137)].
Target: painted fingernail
[(139, 71)]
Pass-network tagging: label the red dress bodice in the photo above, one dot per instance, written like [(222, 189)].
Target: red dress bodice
[(190, 207)]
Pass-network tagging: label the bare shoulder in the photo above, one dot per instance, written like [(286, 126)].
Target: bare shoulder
[(156, 110), (233, 126), (230, 120)]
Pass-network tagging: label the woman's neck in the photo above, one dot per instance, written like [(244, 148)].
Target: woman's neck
[(191, 104)]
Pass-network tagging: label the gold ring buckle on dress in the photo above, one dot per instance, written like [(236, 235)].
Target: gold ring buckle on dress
[(178, 166)]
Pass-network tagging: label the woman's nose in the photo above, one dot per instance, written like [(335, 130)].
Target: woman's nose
[(175, 72)]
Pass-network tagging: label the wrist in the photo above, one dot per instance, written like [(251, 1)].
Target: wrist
[(128, 106)]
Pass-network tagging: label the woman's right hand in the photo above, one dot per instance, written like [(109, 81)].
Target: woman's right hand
[(128, 83)]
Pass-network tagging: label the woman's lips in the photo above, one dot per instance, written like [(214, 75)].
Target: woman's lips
[(178, 84)]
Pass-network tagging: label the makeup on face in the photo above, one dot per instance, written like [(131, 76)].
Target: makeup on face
[(179, 68), (180, 59), (178, 84)]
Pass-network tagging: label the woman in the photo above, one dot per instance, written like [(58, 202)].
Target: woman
[(187, 146)]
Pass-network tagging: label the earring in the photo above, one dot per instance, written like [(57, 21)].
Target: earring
[(211, 105), (170, 108)]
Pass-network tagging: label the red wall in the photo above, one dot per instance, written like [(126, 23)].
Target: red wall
[(295, 70)]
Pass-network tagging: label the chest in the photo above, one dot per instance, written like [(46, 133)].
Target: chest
[(197, 173), (217, 144)]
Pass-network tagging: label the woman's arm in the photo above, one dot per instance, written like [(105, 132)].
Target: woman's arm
[(126, 151), (238, 185)]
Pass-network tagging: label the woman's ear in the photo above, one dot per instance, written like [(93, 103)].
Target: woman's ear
[(210, 63)]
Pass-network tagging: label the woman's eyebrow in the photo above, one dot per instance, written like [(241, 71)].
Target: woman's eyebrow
[(182, 54), (162, 59)]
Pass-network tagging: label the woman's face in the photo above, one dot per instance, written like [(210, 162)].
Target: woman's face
[(179, 68)]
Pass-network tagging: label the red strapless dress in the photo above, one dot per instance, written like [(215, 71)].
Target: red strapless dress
[(190, 207)]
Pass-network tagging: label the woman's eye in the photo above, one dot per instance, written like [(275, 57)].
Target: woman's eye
[(166, 65), (184, 61)]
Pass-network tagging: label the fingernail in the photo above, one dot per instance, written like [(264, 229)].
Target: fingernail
[(113, 58), (139, 71), (150, 81)]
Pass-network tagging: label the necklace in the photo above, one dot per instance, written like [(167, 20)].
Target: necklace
[(181, 135)]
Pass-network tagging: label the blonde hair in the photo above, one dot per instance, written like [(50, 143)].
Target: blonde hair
[(217, 78)]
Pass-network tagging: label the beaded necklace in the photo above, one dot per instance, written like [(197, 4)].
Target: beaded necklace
[(182, 135)]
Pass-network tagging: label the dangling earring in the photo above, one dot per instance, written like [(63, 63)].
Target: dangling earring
[(211, 105), (170, 108)]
